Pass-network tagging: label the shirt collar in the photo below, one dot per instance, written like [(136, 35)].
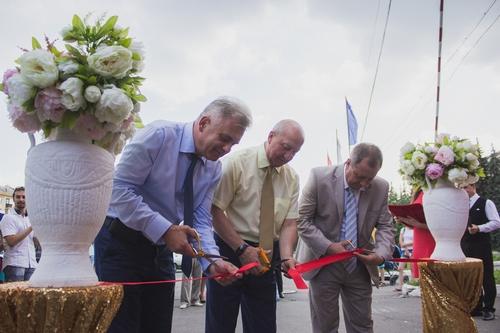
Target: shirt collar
[(262, 161), (474, 197), (187, 141)]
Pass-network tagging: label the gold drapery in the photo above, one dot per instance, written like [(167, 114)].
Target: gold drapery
[(450, 290), (43, 310)]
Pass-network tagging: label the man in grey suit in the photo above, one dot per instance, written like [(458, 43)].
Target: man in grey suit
[(341, 205)]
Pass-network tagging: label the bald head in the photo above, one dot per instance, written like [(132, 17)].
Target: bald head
[(283, 142)]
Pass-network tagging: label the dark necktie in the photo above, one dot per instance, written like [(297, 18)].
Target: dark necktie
[(187, 261)]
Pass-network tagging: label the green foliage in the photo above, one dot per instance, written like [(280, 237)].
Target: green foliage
[(398, 198), (489, 186), (497, 276), (35, 44)]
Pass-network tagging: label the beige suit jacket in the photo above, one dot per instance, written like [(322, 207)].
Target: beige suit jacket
[(321, 211)]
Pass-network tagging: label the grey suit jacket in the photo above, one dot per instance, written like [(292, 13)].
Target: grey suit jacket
[(321, 211)]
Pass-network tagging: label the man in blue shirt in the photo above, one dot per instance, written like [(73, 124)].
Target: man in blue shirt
[(147, 204)]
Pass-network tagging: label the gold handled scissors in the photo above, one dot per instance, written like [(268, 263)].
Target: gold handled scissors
[(200, 253)]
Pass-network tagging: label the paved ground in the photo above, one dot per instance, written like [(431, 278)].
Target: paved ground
[(391, 313)]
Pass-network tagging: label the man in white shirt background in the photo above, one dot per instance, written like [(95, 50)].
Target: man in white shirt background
[(19, 260), (476, 243)]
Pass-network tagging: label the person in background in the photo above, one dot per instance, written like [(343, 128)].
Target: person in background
[(190, 290), (476, 243), (423, 242), (406, 246), (19, 260)]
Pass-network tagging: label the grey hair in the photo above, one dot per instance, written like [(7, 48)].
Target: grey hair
[(367, 150), (228, 107), (284, 124)]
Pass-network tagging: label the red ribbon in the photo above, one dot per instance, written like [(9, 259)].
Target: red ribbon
[(295, 274), (241, 270)]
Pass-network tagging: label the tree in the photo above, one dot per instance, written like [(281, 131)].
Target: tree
[(489, 187), (403, 197)]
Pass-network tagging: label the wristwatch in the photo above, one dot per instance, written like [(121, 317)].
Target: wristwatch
[(239, 251)]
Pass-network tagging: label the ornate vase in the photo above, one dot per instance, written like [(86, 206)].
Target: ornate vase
[(446, 211), (68, 189)]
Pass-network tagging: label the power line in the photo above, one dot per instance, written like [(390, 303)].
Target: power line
[(376, 70), (473, 46), (472, 31)]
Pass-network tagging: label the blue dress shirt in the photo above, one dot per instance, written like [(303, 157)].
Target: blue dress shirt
[(148, 183)]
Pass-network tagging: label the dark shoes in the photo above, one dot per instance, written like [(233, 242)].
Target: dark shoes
[(477, 313), (281, 295), (488, 315)]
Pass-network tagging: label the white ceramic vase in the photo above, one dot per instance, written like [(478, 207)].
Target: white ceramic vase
[(446, 211), (68, 189)]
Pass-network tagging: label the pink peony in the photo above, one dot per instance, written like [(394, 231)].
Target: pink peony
[(48, 105), (445, 155), (7, 75), (434, 171), (22, 120), (89, 126)]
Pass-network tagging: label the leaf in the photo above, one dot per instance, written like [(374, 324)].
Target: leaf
[(108, 26), (29, 105), (78, 23), (140, 98), (35, 44), (138, 121), (55, 51), (69, 119), (92, 80), (82, 77), (47, 129), (126, 43), (1, 87), (75, 52), (136, 56)]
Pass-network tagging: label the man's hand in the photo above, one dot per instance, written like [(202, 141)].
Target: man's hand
[(177, 239), (338, 247), (251, 254), (288, 264), (224, 267), (370, 258), (473, 229)]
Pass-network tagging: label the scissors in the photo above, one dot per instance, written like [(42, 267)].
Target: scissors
[(200, 253)]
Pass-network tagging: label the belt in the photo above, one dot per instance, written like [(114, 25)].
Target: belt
[(124, 233)]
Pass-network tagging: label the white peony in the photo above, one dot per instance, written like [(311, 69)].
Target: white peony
[(430, 150), (470, 157), (111, 61), (38, 67), (92, 94), (407, 167), (19, 89), (114, 106), (419, 159), (72, 97), (68, 67), (457, 175), (473, 164), (407, 148)]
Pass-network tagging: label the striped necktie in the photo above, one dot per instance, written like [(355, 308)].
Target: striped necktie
[(351, 226), (187, 261)]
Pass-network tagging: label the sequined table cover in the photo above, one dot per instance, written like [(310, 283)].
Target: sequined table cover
[(43, 310), (450, 290)]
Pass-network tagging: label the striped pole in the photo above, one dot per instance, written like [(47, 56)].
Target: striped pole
[(439, 67)]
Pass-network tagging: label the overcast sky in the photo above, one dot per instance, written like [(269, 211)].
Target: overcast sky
[(293, 59)]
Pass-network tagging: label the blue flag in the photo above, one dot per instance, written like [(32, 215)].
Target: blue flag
[(352, 124)]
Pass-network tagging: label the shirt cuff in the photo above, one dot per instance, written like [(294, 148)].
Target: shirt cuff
[(156, 229)]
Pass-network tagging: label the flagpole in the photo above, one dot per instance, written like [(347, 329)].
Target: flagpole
[(347, 123), (441, 6)]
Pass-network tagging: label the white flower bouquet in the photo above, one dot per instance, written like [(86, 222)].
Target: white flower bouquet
[(452, 159), (91, 88)]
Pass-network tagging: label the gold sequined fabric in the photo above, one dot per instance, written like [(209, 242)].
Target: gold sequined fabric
[(450, 290), (43, 310)]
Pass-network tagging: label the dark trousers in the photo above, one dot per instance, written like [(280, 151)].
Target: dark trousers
[(145, 308), (483, 251), (255, 294)]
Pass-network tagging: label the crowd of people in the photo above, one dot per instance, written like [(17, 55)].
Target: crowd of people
[(172, 194)]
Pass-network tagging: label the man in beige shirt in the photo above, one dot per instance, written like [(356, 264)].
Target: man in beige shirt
[(255, 205)]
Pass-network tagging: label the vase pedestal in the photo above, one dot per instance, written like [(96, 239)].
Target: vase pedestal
[(76, 309)]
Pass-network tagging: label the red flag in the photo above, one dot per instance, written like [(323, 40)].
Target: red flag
[(328, 160)]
